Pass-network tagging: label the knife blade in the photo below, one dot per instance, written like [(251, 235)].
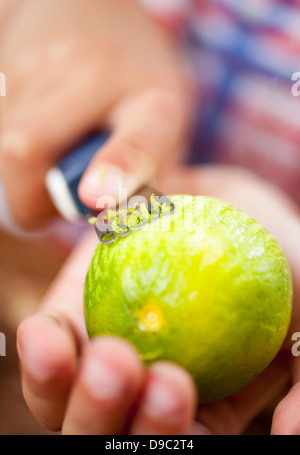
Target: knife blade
[(62, 183)]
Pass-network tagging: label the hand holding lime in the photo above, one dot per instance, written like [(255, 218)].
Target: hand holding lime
[(206, 287)]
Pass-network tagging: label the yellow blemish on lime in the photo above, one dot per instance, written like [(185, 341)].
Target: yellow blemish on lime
[(102, 173), (150, 318)]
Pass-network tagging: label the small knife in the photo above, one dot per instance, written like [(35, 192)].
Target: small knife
[(62, 182)]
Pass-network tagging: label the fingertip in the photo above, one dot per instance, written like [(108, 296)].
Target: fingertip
[(48, 361), (45, 349), (120, 354), (147, 129), (101, 184), (167, 403), (286, 419), (107, 386), (179, 382), (179, 374)]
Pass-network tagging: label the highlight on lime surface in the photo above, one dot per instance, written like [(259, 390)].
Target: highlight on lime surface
[(206, 287)]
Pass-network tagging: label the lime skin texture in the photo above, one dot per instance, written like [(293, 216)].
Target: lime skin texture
[(206, 287)]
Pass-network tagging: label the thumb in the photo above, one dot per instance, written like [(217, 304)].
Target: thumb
[(147, 132)]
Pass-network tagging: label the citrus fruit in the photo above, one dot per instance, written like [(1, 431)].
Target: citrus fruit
[(206, 287)]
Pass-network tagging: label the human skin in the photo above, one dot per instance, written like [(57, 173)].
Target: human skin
[(57, 384), (107, 65)]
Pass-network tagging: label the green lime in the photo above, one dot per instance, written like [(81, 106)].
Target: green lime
[(206, 287)]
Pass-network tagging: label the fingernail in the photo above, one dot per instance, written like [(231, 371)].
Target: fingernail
[(105, 181), (102, 381), (161, 401)]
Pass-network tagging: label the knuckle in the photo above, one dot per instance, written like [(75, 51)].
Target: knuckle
[(16, 151), (166, 101), (26, 212)]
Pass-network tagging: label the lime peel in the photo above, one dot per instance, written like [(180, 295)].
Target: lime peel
[(213, 296), (150, 318), (122, 220)]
